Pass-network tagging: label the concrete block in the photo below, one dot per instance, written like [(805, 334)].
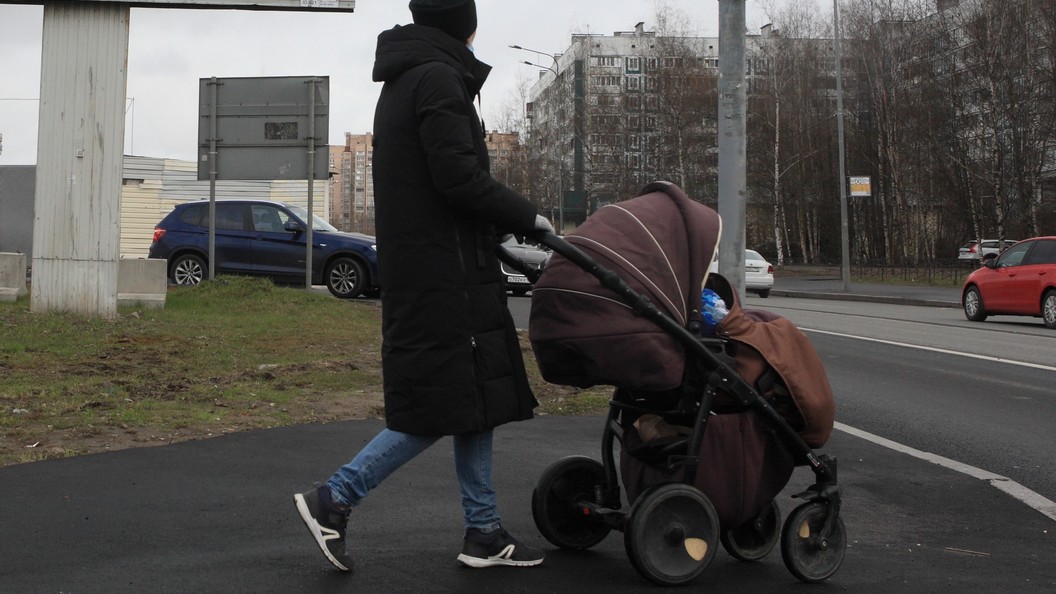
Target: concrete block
[(12, 276), (142, 282)]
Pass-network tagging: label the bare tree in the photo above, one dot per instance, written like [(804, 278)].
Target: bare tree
[(1006, 114), (883, 49), (790, 128)]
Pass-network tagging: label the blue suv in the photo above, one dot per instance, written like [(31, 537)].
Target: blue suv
[(264, 238)]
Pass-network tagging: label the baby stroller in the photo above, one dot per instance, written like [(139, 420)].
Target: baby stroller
[(710, 428)]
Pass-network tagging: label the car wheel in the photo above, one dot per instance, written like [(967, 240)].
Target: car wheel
[(187, 270), (973, 305), (345, 278), (1048, 308), (764, 293)]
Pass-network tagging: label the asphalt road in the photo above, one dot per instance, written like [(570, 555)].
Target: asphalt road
[(217, 516)]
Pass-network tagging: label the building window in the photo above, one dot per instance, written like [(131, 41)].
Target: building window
[(605, 81), (634, 83), (633, 65)]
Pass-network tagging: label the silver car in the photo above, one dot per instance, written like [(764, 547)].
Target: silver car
[(532, 256)]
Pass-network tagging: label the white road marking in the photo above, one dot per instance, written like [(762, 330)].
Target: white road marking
[(1016, 490), (934, 349), (1031, 498)]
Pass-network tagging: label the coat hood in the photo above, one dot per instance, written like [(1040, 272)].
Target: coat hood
[(409, 46)]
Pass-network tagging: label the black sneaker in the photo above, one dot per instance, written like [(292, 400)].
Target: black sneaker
[(326, 523), (489, 549)]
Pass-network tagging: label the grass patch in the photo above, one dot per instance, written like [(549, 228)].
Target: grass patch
[(229, 355)]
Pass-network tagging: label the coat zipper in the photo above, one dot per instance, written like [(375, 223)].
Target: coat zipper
[(474, 368)]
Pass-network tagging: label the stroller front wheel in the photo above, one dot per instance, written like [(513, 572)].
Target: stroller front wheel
[(556, 503), (809, 554), (671, 534), (754, 539)]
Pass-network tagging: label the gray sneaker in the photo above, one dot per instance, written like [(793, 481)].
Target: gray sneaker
[(326, 523), (490, 549)]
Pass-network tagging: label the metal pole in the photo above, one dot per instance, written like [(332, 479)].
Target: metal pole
[(845, 249), (213, 84), (732, 141), (311, 184)]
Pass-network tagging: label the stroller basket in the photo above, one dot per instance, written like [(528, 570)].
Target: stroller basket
[(619, 304)]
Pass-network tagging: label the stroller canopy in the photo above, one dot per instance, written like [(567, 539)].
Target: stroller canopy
[(583, 334)]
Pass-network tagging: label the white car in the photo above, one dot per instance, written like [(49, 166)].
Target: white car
[(758, 273), (983, 249)]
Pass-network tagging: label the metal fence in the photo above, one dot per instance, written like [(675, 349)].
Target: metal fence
[(949, 271)]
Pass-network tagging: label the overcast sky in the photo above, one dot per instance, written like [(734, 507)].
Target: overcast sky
[(170, 50)]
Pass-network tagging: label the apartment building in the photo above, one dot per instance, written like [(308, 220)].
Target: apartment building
[(352, 184), (614, 112)]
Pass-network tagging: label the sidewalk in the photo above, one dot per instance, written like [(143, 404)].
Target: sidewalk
[(831, 287), (217, 515)]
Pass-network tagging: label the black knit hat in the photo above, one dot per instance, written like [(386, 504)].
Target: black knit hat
[(457, 18)]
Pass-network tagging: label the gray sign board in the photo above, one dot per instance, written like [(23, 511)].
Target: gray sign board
[(260, 127), (17, 186)]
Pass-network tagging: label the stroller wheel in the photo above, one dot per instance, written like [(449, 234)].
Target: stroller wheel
[(754, 539), (671, 534), (810, 555), (554, 503)]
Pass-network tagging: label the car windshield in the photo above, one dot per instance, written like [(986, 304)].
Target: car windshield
[(1013, 256), (318, 224)]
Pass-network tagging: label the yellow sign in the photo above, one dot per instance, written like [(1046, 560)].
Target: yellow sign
[(860, 186)]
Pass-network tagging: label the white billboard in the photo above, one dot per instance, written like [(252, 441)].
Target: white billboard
[(305, 5)]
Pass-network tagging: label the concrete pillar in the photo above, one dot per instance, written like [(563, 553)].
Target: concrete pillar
[(76, 227)]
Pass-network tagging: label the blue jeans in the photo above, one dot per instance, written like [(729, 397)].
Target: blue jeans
[(390, 450)]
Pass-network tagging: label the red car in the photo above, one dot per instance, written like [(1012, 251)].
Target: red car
[(1019, 282)]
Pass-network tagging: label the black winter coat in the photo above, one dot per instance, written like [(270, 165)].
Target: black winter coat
[(450, 355)]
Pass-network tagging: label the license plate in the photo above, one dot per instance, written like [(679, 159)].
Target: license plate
[(517, 279)]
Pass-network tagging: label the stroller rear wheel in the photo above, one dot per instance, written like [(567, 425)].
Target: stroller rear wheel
[(754, 539), (671, 534), (810, 555), (555, 500)]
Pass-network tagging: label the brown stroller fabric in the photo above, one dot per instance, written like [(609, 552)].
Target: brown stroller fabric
[(743, 466), (765, 341), (660, 243)]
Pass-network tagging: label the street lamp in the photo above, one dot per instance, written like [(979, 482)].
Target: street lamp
[(845, 250), (524, 49), (561, 167)]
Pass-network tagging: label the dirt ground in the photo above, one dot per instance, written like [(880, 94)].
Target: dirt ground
[(35, 439)]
